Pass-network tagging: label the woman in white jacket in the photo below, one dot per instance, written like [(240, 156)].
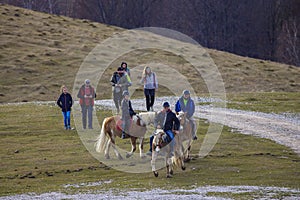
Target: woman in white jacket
[(149, 80)]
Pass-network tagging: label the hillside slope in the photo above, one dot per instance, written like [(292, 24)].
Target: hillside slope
[(40, 52)]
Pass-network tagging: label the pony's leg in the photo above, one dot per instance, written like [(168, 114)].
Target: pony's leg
[(153, 160), (133, 147), (106, 151), (169, 167), (141, 146), (113, 145)]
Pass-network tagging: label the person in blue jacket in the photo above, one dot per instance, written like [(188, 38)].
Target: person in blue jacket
[(65, 102), (187, 105)]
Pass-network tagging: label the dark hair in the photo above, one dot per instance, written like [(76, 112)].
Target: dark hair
[(124, 63)]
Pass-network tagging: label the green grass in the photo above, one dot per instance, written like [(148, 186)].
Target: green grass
[(272, 102), (37, 155)]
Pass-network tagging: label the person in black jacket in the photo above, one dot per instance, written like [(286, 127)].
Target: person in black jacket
[(65, 102), (167, 120)]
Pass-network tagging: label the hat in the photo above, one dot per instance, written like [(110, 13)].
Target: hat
[(125, 93), (166, 104), (186, 92), (87, 81)]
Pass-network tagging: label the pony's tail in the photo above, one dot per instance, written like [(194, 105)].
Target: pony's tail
[(102, 139)]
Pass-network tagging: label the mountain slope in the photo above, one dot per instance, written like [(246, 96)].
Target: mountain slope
[(40, 52)]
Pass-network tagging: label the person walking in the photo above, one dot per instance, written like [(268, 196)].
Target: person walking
[(149, 80), (120, 82), (87, 95), (65, 102), (186, 104)]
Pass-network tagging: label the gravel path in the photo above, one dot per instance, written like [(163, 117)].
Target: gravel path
[(283, 129)]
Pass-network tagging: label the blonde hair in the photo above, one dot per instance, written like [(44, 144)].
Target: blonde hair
[(145, 71), (62, 88)]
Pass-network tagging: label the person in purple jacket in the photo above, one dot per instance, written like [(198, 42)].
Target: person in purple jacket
[(65, 102)]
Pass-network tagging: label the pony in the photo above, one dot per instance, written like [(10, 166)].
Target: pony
[(185, 135), (148, 117), (171, 162), (110, 131)]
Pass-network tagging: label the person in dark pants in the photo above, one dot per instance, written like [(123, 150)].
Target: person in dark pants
[(149, 80), (65, 102), (167, 120), (87, 96), (127, 113), (120, 82)]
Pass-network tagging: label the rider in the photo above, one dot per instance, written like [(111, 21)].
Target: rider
[(127, 113), (187, 105), (120, 82), (167, 120)]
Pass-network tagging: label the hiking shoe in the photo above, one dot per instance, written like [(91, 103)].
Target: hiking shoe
[(151, 108), (195, 138), (123, 136)]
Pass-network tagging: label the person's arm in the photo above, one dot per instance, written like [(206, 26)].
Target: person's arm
[(192, 109), (155, 79), (71, 100), (176, 123), (177, 107), (59, 101), (79, 95)]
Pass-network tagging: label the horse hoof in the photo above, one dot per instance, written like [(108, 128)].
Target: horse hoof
[(128, 155), (183, 168), (187, 160), (171, 172), (107, 157), (155, 174), (169, 176)]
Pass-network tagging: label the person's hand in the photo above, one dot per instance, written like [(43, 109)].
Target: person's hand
[(176, 132), (85, 96)]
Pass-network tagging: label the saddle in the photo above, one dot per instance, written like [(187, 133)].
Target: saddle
[(120, 123)]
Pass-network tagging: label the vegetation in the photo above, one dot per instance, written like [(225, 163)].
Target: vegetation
[(37, 155), (40, 52)]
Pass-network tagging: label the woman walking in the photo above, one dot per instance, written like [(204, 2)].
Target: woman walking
[(149, 80), (65, 102)]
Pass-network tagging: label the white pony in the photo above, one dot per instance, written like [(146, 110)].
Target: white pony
[(148, 117)]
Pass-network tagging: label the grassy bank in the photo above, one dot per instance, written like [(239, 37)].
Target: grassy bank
[(37, 155)]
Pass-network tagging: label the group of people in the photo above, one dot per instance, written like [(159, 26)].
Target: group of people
[(86, 95), (166, 119)]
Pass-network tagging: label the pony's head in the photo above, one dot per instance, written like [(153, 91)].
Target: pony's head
[(182, 118), (138, 120), (158, 140)]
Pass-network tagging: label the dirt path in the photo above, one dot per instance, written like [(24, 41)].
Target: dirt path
[(282, 129)]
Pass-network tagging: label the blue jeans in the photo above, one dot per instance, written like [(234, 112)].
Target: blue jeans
[(87, 111), (67, 118), (171, 138)]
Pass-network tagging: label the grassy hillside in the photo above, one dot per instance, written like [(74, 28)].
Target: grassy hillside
[(40, 52)]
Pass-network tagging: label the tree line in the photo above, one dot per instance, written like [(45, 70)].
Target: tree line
[(266, 29)]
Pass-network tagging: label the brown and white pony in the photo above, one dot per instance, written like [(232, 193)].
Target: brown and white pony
[(148, 117), (170, 162), (110, 131), (185, 135)]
